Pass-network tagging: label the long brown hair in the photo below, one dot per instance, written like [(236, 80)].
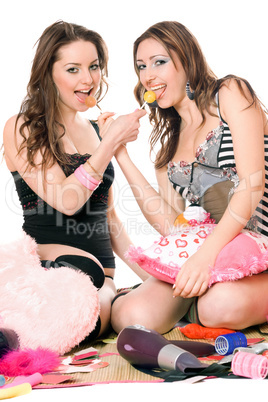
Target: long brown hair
[(39, 108), (166, 122)]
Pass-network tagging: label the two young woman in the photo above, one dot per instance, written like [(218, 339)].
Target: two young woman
[(211, 133)]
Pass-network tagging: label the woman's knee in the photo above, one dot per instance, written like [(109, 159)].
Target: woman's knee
[(222, 307), (236, 305), (123, 314)]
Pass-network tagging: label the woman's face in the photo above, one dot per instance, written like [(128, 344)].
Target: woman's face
[(159, 73), (76, 74)]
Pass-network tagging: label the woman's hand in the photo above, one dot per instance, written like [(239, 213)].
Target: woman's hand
[(121, 151), (193, 278), (122, 130), (104, 122)]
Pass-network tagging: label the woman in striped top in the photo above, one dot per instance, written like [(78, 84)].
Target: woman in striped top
[(212, 134)]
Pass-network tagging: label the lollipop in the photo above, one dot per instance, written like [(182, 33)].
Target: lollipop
[(90, 101), (149, 97)]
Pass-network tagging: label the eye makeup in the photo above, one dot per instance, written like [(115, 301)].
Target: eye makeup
[(155, 61)]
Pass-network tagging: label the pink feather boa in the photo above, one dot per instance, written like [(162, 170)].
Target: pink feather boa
[(53, 309), (28, 361)]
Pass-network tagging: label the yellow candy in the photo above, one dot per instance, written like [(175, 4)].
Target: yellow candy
[(149, 97)]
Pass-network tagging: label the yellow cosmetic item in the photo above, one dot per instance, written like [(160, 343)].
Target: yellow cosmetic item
[(180, 220), (18, 390)]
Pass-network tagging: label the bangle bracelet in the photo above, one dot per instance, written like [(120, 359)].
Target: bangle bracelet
[(86, 181), (95, 171), (88, 176)]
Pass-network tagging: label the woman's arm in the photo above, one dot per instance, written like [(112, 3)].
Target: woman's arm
[(246, 125), (67, 194), (159, 208), (120, 239)]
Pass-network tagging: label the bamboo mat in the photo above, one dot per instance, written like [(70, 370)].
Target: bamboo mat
[(119, 370)]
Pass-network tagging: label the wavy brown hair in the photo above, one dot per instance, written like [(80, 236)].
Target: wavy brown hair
[(166, 122), (39, 108)]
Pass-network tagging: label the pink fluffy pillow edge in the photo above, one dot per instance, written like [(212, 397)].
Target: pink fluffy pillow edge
[(240, 258)]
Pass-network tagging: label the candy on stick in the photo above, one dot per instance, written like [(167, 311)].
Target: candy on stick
[(149, 97), (90, 101)]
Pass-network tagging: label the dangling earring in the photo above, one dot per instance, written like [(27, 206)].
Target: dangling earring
[(188, 91)]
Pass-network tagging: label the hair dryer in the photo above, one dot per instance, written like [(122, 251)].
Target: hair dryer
[(147, 348)]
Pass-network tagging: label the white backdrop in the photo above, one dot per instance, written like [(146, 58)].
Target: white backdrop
[(232, 34)]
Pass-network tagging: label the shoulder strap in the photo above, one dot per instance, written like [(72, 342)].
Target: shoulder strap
[(218, 107), (96, 128)]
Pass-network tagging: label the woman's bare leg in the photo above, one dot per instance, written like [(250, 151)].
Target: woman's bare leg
[(151, 305), (106, 295), (235, 305)]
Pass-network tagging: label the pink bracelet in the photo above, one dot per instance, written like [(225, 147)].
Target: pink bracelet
[(87, 175), (85, 180)]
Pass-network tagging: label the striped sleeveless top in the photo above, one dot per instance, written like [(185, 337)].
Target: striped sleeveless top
[(214, 163)]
